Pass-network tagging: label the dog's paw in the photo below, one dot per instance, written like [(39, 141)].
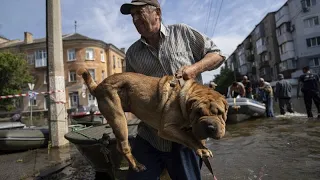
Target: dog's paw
[(204, 153), (139, 167)]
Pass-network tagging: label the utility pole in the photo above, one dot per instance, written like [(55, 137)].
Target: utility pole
[(58, 123)]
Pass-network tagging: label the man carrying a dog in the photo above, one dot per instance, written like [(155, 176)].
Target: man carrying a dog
[(166, 50)]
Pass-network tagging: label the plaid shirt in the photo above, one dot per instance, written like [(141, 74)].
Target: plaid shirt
[(180, 45)]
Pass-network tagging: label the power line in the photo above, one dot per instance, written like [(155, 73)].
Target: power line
[(207, 20), (214, 27)]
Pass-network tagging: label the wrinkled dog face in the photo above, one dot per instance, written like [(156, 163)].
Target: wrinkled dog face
[(209, 115)]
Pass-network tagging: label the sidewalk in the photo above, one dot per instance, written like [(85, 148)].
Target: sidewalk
[(35, 164)]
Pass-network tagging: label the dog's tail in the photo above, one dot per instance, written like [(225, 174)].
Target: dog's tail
[(91, 84)]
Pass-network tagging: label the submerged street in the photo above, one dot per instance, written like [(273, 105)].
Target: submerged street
[(285, 147)]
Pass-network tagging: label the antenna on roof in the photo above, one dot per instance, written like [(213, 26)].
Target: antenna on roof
[(75, 26)]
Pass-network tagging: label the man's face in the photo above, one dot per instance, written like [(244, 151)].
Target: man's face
[(146, 20)]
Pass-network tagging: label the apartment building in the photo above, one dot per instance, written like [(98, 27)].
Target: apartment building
[(102, 60), (305, 28), (258, 55)]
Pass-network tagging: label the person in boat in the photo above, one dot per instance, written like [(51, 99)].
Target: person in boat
[(164, 50), (283, 94), (309, 83), (236, 89), (267, 92), (247, 86), (213, 85)]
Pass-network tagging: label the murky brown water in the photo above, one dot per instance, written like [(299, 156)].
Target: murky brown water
[(281, 148)]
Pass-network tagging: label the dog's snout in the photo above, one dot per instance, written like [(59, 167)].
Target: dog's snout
[(212, 130)]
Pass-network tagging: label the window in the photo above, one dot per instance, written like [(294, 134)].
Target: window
[(264, 57), (308, 3), (89, 54), (72, 76), (102, 56), (92, 73), (312, 42), (102, 75), (283, 29), (71, 54), (310, 22), (41, 58), (114, 61), (73, 99), (32, 102), (282, 48), (30, 58), (314, 62), (119, 63), (45, 78)]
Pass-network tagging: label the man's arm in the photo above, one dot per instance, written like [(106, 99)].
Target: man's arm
[(276, 95), (206, 54), (209, 62)]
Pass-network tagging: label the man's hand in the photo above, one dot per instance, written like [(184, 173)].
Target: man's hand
[(187, 72)]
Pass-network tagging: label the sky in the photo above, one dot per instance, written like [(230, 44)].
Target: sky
[(101, 19)]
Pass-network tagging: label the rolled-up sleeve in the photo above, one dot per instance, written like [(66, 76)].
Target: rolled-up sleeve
[(201, 44)]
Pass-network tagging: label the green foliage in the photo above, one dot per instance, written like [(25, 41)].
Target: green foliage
[(224, 80), (14, 76)]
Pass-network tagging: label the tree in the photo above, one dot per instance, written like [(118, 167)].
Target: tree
[(224, 80), (14, 77)]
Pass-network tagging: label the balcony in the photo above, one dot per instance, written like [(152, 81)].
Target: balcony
[(261, 49), (287, 55), (285, 37), (283, 14), (250, 58), (287, 65), (264, 64)]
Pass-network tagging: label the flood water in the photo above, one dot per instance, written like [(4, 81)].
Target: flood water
[(281, 148)]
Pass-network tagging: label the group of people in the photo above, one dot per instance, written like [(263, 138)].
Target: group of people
[(308, 84)]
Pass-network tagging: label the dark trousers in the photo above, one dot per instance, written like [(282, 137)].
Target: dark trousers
[(181, 163), (269, 106), (308, 97), (285, 102)]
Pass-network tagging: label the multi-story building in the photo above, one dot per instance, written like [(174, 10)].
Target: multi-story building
[(305, 28), (100, 58), (266, 46)]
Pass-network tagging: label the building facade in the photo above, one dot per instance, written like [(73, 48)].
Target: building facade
[(282, 42), (100, 58)]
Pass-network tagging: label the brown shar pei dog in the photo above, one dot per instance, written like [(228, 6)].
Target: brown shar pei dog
[(169, 110)]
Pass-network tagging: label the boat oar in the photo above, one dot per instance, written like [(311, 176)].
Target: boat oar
[(208, 164)]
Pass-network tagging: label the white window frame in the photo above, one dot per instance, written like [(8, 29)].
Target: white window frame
[(103, 75), (72, 76), (89, 54), (71, 54), (312, 62), (92, 73), (311, 22), (114, 61), (314, 42), (308, 3), (31, 59), (102, 57), (40, 58), (45, 78), (73, 99)]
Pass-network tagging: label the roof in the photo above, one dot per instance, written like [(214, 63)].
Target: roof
[(66, 37), (2, 37)]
